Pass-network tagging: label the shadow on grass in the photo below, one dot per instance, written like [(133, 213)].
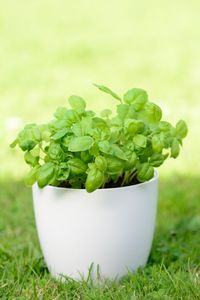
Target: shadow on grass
[(176, 237)]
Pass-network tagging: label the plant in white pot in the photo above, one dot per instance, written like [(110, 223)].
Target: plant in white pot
[(94, 183)]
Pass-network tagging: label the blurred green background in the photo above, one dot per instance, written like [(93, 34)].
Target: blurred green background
[(52, 49)]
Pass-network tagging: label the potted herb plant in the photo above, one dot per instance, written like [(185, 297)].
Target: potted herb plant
[(95, 184)]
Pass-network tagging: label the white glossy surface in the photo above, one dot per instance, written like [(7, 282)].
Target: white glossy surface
[(112, 228)]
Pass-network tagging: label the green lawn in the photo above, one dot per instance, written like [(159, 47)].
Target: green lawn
[(51, 49)]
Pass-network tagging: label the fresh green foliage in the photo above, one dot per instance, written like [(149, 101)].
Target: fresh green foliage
[(108, 91), (81, 150)]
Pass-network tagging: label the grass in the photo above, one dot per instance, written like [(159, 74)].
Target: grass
[(51, 49)]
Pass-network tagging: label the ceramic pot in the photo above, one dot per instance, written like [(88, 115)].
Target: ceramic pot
[(110, 229)]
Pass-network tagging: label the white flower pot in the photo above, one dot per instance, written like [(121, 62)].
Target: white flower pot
[(109, 228)]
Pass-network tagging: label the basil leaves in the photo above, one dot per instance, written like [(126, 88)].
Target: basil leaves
[(79, 149)]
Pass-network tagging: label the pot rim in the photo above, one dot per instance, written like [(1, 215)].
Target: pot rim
[(154, 178)]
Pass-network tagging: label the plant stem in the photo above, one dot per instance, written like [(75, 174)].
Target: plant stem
[(133, 175), (126, 175)]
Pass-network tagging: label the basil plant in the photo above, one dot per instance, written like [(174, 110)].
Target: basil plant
[(79, 149)]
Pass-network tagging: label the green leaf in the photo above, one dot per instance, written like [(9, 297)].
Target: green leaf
[(66, 141), (26, 139), (175, 148), (77, 103), (181, 129), (108, 91), (106, 113), (165, 139), (139, 103), (157, 159), (115, 134), (14, 143), (114, 165), (136, 95), (101, 163), (36, 134), (86, 125), (164, 126), (130, 146), (60, 113), (105, 147), (30, 159), (35, 152), (153, 113), (145, 172), (31, 177), (99, 123), (81, 143), (94, 150), (45, 132), (140, 140), (27, 144), (104, 134), (77, 129), (131, 162), (65, 117), (85, 156), (45, 174), (55, 151), (59, 134), (134, 126), (77, 166), (132, 114), (116, 122), (157, 143), (89, 113), (118, 152), (83, 127), (122, 110), (63, 171), (145, 153), (95, 179)]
